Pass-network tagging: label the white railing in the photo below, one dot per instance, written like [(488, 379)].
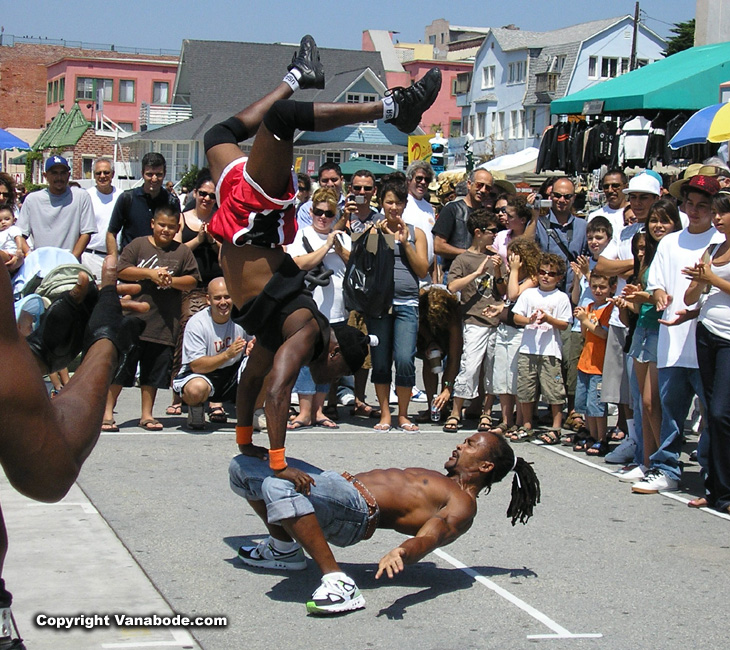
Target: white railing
[(152, 116)]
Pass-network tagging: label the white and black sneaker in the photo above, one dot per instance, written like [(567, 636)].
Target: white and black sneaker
[(414, 101), (307, 62), (337, 593), (266, 556), (655, 481)]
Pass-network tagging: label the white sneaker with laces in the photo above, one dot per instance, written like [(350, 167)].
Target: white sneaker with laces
[(267, 557), (631, 473), (654, 481), (337, 593)]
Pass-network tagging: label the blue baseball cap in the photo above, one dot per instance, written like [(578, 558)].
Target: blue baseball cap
[(57, 160)]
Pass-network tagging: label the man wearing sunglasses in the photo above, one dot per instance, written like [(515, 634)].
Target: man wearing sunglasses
[(613, 184), (357, 205), (450, 234), (560, 232), (103, 198), (328, 175)]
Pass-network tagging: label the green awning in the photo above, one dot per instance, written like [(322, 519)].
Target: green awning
[(65, 130), (356, 164), (688, 80)]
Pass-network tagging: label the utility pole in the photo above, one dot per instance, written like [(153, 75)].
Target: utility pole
[(632, 64)]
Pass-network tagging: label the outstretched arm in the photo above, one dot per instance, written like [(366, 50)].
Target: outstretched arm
[(452, 522), (45, 465)]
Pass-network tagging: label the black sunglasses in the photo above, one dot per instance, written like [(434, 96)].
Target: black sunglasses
[(551, 274), (557, 195), (494, 231), (327, 213), (366, 188), (206, 195)]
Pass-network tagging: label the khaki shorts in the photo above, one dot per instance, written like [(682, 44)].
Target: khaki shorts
[(535, 371)]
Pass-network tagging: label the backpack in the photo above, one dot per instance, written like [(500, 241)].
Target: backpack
[(56, 282), (369, 284)]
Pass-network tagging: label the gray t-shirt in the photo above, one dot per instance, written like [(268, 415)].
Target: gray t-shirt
[(57, 220), (204, 337)]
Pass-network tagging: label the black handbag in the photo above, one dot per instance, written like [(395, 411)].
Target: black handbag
[(368, 285)]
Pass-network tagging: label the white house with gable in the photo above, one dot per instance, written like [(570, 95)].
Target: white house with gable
[(505, 101)]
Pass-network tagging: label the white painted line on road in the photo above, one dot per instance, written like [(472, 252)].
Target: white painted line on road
[(86, 507), (606, 470), (559, 630), (182, 640)]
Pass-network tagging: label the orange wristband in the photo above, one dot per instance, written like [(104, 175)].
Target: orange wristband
[(244, 435), (277, 462)]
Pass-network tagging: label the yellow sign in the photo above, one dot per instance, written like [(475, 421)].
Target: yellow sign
[(298, 164), (419, 147)]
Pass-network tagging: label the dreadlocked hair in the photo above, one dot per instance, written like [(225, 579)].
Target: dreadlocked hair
[(525, 484)]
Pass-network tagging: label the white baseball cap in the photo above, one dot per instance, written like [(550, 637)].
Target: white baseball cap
[(644, 184)]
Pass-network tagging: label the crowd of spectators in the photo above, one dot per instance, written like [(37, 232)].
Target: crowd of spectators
[(576, 309)]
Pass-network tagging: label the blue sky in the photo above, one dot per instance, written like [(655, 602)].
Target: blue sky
[(335, 23)]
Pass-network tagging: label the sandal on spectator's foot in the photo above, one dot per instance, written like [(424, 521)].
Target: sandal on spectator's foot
[(452, 424), (598, 449), (331, 412), (109, 426), (701, 502), (522, 434), (616, 435), (501, 429), (550, 437), (174, 409), (581, 444), (485, 423), (364, 410), (217, 414)]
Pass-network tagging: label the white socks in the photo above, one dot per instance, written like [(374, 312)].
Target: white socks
[(292, 79), (390, 108)]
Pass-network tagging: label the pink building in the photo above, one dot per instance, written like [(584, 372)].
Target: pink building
[(444, 115), (125, 84)]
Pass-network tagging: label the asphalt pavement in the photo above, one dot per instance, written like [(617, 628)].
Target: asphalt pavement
[(152, 527)]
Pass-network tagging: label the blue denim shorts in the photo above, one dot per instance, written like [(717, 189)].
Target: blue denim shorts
[(340, 509), (588, 396), (305, 384), (644, 345)]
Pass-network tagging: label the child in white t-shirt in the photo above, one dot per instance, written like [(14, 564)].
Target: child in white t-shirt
[(12, 241), (544, 312)]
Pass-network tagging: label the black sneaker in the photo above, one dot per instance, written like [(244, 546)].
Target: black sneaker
[(414, 101), (308, 63)]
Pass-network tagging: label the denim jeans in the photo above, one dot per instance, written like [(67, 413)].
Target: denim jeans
[(340, 509), (713, 356), (305, 384), (677, 387), (397, 333)]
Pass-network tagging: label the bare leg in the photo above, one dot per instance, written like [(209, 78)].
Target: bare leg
[(276, 531), (383, 393), (148, 394), (307, 532), (404, 399), (111, 401), (527, 409), (557, 412)]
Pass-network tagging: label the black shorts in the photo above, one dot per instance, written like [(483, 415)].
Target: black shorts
[(155, 366)]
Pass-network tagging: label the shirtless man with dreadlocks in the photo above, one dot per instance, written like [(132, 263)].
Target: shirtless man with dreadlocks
[(343, 509)]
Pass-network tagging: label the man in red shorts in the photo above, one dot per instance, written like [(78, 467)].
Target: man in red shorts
[(256, 217)]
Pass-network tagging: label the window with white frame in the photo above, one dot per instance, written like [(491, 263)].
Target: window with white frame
[(126, 90), (531, 124), (494, 124), (86, 88), (471, 124), (500, 126), (160, 92), (609, 67), (488, 76), (333, 156), (382, 158), (592, 67), (481, 133), (516, 72)]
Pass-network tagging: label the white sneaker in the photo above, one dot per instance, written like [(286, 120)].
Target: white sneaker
[(418, 395), (631, 473), (337, 593), (347, 399), (267, 557), (259, 420), (654, 481)]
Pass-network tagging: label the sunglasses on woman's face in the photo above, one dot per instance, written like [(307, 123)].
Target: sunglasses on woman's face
[(327, 213), (206, 195)]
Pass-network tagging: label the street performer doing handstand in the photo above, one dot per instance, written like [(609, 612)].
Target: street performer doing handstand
[(256, 218), (343, 509)]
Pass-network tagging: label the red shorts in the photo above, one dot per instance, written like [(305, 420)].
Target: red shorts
[(247, 215)]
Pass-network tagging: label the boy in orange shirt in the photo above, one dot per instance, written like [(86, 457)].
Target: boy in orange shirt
[(594, 325)]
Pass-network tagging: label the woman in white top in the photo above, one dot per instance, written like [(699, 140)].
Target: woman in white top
[(711, 286), (520, 220)]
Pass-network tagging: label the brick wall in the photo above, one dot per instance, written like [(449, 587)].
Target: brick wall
[(94, 145), (23, 79)]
